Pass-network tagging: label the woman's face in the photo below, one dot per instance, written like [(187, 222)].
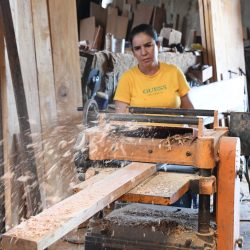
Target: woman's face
[(145, 50)]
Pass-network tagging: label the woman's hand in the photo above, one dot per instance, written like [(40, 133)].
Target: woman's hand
[(186, 102), (121, 107)]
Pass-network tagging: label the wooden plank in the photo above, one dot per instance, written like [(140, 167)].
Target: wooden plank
[(10, 126), (228, 193), (203, 33), (18, 202), (117, 25), (210, 54), (22, 110), (100, 14), (177, 22), (2, 189), (47, 96), (143, 14), (44, 229), (87, 30), (228, 47), (24, 31), (212, 37), (111, 23), (112, 10), (119, 5), (121, 27), (45, 78), (205, 13), (7, 100), (102, 173), (126, 10), (26, 45), (133, 4), (161, 188), (98, 40), (159, 17), (65, 58)]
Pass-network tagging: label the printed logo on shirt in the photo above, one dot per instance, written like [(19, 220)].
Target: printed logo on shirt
[(154, 90)]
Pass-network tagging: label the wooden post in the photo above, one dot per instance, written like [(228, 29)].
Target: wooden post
[(228, 194), (33, 195), (2, 189), (2, 196)]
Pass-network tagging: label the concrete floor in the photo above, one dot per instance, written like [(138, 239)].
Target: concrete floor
[(78, 235)]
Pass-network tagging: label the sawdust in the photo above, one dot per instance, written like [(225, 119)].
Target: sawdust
[(156, 184), (90, 173), (58, 159), (176, 139), (54, 156), (146, 132), (167, 222)]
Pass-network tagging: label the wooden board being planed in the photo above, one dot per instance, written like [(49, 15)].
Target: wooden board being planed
[(101, 174), (47, 227), (162, 188)]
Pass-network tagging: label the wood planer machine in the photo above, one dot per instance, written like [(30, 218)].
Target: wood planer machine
[(164, 136)]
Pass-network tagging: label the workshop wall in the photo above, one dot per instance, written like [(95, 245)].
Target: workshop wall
[(184, 15), (46, 35)]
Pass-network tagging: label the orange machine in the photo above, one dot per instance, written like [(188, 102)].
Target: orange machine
[(145, 135)]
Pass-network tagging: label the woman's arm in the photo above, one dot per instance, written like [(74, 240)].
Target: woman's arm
[(186, 102), (121, 107)]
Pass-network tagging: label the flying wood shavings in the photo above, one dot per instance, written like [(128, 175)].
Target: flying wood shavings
[(8, 175), (62, 144), (179, 139), (24, 178)]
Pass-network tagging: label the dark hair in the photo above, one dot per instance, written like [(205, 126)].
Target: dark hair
[(143, 28)]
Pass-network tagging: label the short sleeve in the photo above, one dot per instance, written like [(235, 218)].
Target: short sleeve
[(123, 92), (183, 84)]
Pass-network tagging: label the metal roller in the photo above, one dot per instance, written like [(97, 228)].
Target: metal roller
[(153, 119), (166, 111)]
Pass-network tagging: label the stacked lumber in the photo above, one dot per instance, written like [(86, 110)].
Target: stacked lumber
[(223, 49), (118, 19), (51, 81)]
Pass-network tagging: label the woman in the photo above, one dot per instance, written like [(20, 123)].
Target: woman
[(151, 83)]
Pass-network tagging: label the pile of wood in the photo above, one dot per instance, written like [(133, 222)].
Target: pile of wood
[(118, 19), (223, 48)]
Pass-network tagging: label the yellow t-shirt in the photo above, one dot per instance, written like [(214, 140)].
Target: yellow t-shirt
[(161, 90)]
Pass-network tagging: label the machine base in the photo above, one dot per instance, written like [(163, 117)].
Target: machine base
[(152, 227)]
